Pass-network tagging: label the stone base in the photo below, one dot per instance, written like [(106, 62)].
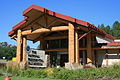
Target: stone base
[(89, 66), (72, 66)]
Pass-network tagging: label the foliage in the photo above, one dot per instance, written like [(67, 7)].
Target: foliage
[(7, 50), (63, 74), (37, 73), (116, 66), (49, 72), (79, 74), (25, 78), (114, 30), (2, 67), (87, 74)]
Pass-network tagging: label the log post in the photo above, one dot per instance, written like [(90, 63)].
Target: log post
[(71, 49), (19, 42), (106, 57), (24, 49), (89, 49), (76, 47)]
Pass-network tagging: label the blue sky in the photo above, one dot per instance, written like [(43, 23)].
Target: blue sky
[(93, 11)]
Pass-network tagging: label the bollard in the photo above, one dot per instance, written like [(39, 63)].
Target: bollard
[(7, 78)]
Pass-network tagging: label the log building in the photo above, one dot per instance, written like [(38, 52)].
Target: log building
[(64, 38)]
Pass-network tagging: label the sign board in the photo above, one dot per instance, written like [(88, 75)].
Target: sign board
[(36, 58)]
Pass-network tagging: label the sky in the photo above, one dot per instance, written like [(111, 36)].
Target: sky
[(93, 11)]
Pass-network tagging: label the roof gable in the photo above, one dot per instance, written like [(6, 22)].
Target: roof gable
[(34, 8)]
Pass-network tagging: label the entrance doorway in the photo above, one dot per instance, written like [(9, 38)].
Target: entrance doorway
[(83, 57), (63, 59), (58, 59)]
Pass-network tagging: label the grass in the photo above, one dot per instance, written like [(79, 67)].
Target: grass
[(2, 60), (24, 78)]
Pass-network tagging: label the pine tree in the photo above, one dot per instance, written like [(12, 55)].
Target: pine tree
[(116, 29)]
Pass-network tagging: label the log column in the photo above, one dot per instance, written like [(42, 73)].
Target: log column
[(24, 49), (71, 49), (89, 49), (106, 57), (19, 49), (76, 47)]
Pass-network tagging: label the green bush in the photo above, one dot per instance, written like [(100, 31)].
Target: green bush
[(37, 73), (62, 74), (65, 74), (3, 68), (49, 72), (116, 66), (9, 70), (86, 74)]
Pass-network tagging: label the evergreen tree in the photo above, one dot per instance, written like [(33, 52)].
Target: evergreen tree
[(116, 30), (101, 26), (107, 29)]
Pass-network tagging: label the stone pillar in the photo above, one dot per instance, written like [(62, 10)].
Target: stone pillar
[(24, 49), (19, 42), (76, 47), (89, 49), (71, 49)]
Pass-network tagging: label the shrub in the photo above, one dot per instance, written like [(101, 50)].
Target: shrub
[(63, 74), (116, 66), (9, 70), (37, 73), (3, 68), (49, 72), (86, 74)]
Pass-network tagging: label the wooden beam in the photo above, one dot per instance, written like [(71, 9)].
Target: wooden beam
[(13, 36), (76, 47), (50, 38), (19, 42), (83, 28), (84, 35), (82, 48), (89, 49), (106, 48), (50, 50), (43, 30), (65, 49), (71, 47), (106, 57), (24, 49), (55, 37)]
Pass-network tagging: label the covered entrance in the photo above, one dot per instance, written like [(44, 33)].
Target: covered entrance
[(63, 38)]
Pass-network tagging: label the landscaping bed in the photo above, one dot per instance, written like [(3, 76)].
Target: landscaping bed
[(111, 73), (24, 78)]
